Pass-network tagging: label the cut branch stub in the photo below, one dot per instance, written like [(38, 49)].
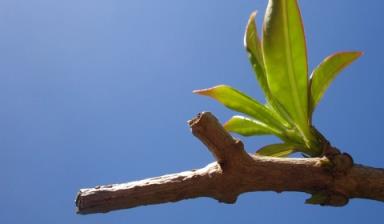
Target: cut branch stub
[(237, 172), (224, 148)]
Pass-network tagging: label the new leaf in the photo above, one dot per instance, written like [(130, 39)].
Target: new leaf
[(252, 44), (248, 127), (280, 150), (255, 54), (285, 59), (323, 75), (240, 102)]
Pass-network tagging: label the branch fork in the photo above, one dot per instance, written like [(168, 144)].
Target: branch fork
[(332, 179)]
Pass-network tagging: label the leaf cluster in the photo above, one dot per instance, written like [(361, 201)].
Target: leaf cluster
[(279, 60)]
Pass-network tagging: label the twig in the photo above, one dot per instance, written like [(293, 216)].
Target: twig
[(237, 172)]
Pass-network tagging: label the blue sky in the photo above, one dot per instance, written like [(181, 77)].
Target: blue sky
[(97, 92)]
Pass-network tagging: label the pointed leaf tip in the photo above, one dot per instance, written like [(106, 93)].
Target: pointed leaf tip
[(200, 91), (250, 28), (323, 75), (252, 45), (208, 91), (240, 102)]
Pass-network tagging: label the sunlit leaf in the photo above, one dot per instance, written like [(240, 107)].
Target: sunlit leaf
[(323, 75), (253, 46), (280, 150), (238, 101), (285, 58), (247, 127), (255, 54)]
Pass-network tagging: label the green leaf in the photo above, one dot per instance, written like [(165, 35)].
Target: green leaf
[(253, 46), (255, 54), (285, 58), (247, 127), (280, 150), (238, 101), (323, 75)]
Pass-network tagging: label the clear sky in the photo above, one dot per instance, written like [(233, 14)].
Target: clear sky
[(99, 91)]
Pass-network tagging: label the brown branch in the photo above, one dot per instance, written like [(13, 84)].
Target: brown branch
[(237, 172)]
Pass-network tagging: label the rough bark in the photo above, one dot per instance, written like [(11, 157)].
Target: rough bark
[(237, 172)]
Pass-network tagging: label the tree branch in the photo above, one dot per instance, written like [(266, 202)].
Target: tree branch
[(237, 172)]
